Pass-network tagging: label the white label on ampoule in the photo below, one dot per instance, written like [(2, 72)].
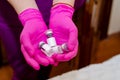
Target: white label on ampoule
[(51, 41), (49, 54), (46, 49), (57, 49)]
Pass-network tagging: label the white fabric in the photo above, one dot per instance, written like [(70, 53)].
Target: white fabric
[(108, 70)]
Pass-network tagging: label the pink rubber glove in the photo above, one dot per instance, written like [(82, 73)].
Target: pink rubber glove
[(32, 34), (64, 30)]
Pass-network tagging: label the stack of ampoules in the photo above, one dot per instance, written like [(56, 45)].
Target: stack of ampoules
[(51, 46)]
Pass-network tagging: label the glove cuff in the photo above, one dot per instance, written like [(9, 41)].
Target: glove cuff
[(29, 14), (62, 7)]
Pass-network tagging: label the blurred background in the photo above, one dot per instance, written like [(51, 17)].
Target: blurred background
[(98, 23)]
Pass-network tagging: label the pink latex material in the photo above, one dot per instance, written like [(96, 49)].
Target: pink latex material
[(64, 30), (32, 34)]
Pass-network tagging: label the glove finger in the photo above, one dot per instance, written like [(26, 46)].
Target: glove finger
[(26, 42), (41, 59), (72, 39), (56, 63), (29, 59), (72, 54), (51, 61), (59, 57)]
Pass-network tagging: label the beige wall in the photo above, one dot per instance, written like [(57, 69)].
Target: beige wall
[(114, 25)]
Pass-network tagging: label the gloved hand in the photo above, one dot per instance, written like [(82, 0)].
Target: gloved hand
[(32, 34), (64, 30)]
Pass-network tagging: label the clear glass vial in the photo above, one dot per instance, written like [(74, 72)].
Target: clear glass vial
[(45, 48), (64, 47), (51, 40), (57, 49)]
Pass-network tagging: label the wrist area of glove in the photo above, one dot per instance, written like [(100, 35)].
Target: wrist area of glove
[(30, 14), (62, 8)]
